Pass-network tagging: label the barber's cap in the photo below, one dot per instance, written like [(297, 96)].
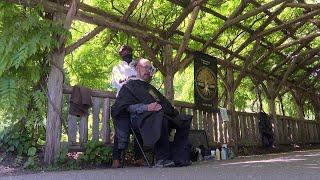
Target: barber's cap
[(125, 50)]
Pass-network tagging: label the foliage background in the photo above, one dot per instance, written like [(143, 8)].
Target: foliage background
[(28, 37)]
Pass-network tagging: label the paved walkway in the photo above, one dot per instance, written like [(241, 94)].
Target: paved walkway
[(294, 165)]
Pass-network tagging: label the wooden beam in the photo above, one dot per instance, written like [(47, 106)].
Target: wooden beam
[(308, 73), (84, 39), (259, 30), (186, 37), (247, 62), (288, 31), (182, 16), (304, 5), (299, 41), (233, 15), (288, 23), (130, 10), (103, 21), (254, 12), (287, 59)]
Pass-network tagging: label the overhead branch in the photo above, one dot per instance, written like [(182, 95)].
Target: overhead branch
[(247, 62), (289, 23), (130, 10), (272, 49), (186, 36), (233, 15), (182, 16), (101, 18), (84, 39), (185, 62), (308, 56), (304, 5), (260, 29), (299, 41), (307, 74), (290, 30), (287, 73), (280, 64), (152, 56)]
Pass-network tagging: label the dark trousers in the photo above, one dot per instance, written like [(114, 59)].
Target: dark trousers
[(162, 147), (116, 153)]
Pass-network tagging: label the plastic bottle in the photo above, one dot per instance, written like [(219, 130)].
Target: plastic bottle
[(200, 158), (217, 154), (231, 154), (223, 153), (213, 153)]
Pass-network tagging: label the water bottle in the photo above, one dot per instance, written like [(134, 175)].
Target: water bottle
[(224, 153), (217, 154), (200, 158), (213, 153)]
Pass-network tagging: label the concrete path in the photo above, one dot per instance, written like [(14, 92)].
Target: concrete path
[(294, 165)]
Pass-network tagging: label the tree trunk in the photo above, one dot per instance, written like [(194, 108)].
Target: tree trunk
[(53, 123), (316, 107), (55, 81), (234, 132), (298, 101), (272, 112), (299, 104), (169, 76)]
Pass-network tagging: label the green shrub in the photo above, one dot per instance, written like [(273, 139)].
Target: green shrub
[(96, 153), (12, 140)]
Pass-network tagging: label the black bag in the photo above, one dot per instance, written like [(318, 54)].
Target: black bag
[(265, 129), (180, 153)]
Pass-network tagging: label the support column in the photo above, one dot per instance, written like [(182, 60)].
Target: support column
[(271, 96), (55, 81), (168, 79), (234, 133)]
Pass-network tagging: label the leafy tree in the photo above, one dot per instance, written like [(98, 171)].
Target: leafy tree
[(27, 38)]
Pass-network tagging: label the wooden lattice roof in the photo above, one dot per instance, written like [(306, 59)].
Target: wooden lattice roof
[(270, 40)]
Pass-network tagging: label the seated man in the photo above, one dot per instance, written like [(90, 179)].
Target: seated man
[(152, 115)]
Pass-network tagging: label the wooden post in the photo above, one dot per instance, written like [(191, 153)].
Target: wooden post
[(72, 129), (106, 121), (234, 131), (83, 130), (168, 82), (272, 112), (96, 118), (271, 93), (298, 101), (55, 81)]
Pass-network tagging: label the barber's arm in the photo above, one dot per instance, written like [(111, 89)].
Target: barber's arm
[(117, 78)]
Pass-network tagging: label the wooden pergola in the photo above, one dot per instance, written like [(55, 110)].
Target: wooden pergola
[(298, 50)]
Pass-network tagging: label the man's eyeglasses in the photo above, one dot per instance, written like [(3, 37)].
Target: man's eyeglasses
[(151, 68)]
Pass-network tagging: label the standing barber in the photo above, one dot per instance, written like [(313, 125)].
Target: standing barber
[(125, 69), (121, 73)]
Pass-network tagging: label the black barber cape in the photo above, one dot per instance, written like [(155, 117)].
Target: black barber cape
[(148, 123)]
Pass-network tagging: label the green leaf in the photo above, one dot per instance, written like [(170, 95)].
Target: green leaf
[(32, 151)]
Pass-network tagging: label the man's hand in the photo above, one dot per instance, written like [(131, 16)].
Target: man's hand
[(154, 106)]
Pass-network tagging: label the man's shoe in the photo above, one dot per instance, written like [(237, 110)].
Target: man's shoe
[(164, 163), (116, 164)]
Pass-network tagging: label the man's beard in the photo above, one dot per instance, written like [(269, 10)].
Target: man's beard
[(148, 78)]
